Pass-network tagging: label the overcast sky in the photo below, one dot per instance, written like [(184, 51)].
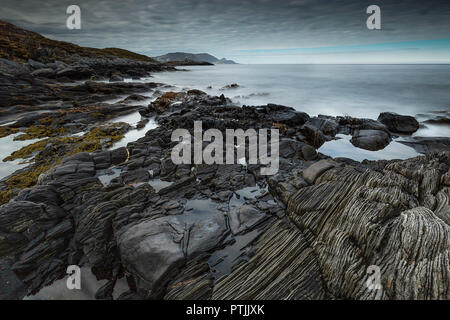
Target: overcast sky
[(251, 31)]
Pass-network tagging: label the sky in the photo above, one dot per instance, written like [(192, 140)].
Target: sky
[(250, 31)]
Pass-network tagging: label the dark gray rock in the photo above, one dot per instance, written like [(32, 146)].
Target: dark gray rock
[(44, 72), (152, 250), (116, 78), (399, 123), (326, 125), (244, 218), (370, 139), (35, 64), (12, 288), (311, 173), (428, 144), (308, 152), (290, 118), (106, 291)]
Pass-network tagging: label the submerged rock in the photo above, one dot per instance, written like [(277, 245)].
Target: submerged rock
[(230, 86)]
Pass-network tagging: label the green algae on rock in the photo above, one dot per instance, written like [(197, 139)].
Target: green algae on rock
[(50, 153)]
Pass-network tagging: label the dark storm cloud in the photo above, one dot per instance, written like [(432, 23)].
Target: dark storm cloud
[(225, 28)]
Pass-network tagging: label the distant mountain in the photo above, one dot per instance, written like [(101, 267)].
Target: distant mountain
[(197, 57)]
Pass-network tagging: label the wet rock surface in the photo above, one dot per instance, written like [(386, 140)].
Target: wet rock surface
[(308, 232)]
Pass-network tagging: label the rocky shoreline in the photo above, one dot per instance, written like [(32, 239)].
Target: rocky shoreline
[(209, 231)]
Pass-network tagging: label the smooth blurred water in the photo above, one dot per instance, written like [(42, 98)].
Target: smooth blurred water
[(133, 134), (7, 146), (355, 90)]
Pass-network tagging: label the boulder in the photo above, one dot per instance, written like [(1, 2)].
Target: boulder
[(152, 250), (370, 139), (399, 123), (290, 118)]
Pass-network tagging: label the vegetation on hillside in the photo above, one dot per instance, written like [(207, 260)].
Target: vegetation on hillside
[(20, 45)]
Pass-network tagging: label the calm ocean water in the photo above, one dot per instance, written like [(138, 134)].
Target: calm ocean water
[(356, 90)]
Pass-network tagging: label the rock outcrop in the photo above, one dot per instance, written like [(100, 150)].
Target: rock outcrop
[(394, 215), (227, 232)]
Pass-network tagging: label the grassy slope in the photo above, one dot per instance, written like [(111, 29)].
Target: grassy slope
[(20, 45)]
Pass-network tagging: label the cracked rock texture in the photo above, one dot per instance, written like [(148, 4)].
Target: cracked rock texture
[(394, 216)]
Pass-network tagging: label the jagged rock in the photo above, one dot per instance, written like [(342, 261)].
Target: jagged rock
[(290, 148), (13, 68), (59, 230), (286, 269), (194, 283), (351, 219), (205, 234)]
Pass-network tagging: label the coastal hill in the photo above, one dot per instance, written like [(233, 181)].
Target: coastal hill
[(20, 45), (197, 57)]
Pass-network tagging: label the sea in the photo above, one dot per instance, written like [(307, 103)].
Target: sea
[(357, 90)]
